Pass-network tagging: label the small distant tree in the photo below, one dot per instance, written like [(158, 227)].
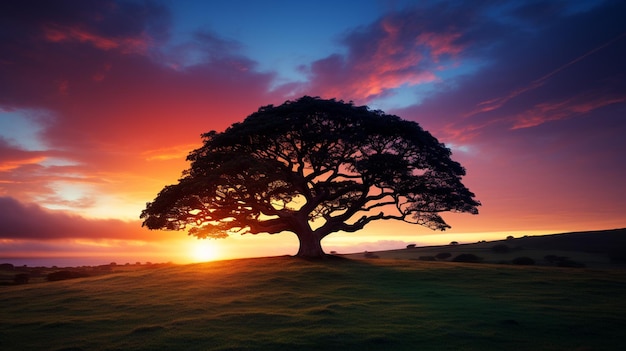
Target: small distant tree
[(312, 167)]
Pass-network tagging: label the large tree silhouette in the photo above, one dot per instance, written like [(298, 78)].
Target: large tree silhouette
[(312, 167)]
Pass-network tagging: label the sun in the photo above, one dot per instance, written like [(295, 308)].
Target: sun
[(203, 250)]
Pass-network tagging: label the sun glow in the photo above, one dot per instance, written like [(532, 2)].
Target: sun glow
[(203, 251)]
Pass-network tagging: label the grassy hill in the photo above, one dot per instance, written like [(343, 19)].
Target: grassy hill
[(594, 249), (284, 303)]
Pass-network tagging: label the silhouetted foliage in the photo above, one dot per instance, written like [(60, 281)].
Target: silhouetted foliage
[(21, 278), (454, 243), (500, 248), (6, 266), (467, 258), (410, 246), (312, 167), (443, 255), (523, 261), (63, 275)]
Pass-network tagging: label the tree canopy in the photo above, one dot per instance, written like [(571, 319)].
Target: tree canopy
[(312, 167)]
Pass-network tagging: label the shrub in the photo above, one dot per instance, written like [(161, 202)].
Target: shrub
[(410, 246), (467, 258), (7, 267), (21, 278), (443, 255), (63, 275), (500, 248), (427, 258), (523, 261)]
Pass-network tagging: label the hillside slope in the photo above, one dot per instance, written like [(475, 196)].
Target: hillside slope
[(593, 249), (284, 303)]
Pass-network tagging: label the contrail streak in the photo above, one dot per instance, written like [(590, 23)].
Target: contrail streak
[(496, 103)]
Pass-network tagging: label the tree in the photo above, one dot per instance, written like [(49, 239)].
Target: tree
[(312, 167)]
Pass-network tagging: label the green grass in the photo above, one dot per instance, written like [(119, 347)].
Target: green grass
[(285, 303)]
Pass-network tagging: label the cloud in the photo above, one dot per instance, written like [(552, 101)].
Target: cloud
[(115, 90), (554, 111), (29, 221), (401, 49), (12, 157), (541, 63)]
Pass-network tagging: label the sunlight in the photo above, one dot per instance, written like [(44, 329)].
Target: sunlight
[(203, 250)]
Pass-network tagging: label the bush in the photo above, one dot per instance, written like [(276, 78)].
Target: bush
[(467, 258), (410, 246), (523, 261), (21, 278), (6, 267), (63, 275), (443, 255), (500, 248)]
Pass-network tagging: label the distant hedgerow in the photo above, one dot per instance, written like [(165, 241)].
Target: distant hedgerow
[(467, 258), (63, 275)]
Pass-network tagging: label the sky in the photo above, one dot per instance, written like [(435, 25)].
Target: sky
[(101, 101)]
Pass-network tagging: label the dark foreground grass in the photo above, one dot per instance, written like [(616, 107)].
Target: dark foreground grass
[(290, 304)]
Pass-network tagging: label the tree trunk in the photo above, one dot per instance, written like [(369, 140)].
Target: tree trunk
[(310, 245)]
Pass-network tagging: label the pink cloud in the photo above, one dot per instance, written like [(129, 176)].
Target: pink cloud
[(440, 43), (59, 33), (554, 111), (12, 158), (394, 52), (119, 111)]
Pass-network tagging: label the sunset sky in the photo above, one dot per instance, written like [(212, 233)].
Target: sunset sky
[(101, 101)]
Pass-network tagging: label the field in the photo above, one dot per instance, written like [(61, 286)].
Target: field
[(284, 303)]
